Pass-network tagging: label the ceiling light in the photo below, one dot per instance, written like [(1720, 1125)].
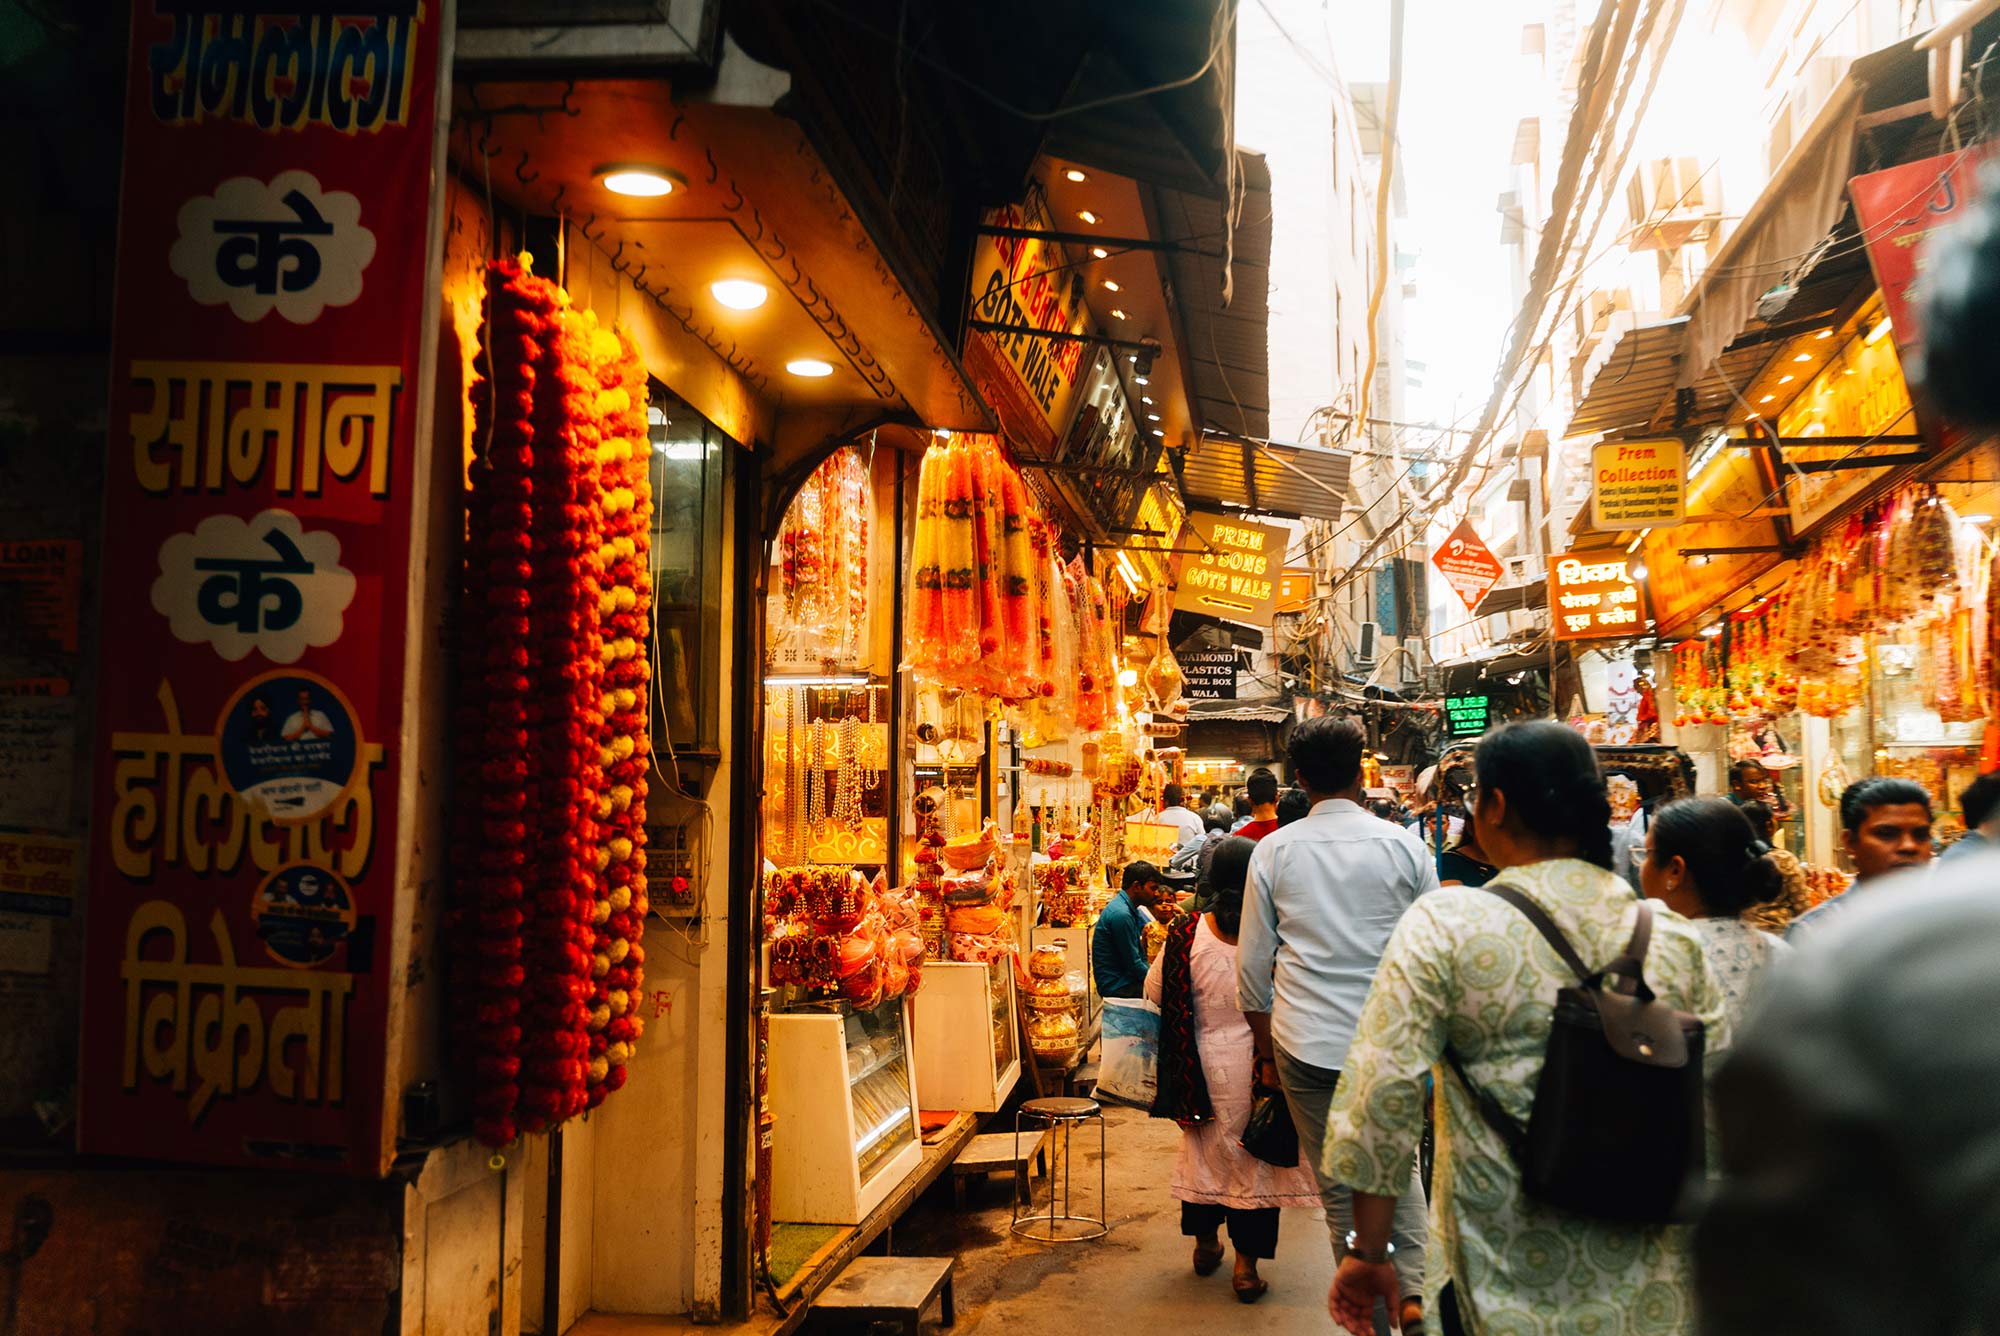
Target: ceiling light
[(1882, 327), (1824, 334), (1073, 175), (739, 294), (1110, 285), (1977, 519), (1099, 253), (1087, 216), (1158, 432), (1125, 564), (1786, 380), (1712, 631), (1152, 417), (1767, 399), (1638, 572), (1139, 380), (1146, 399), (1128, 677), (636, 178), (1803, 357), (942, 433), (810, 367), (1117, 314)]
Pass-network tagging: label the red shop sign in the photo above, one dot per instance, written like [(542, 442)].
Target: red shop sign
[(1468, 565), (1897, 210), (273, 261)]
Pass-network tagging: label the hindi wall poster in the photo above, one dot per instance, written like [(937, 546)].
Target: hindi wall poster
[(268, 349), (37, 759), (41, 590), (38, 874)]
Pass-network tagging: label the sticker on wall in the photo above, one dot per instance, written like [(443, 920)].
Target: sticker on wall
[(288, 745), (288, 247), (304, 913), (266, 583)]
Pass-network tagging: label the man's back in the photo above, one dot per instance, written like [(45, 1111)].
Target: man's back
[(1323, 896)]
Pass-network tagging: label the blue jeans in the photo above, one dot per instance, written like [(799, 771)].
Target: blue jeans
[(1309, 1092)]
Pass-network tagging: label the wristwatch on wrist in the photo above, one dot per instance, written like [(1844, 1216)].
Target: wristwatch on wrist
[(1373, 1258)]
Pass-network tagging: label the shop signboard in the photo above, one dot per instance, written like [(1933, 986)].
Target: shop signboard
[(1210, 673), (1638, 484), (1031, 282), (1898, 209), (1468, 565), (1466, 716), (1236, 576), (1859, 393), (1592, 596), (275, 266)]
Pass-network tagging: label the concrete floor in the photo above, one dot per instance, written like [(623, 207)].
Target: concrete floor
[(1136, 1280)]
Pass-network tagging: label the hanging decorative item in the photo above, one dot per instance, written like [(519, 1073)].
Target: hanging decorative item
[(549, 901), (823, 566)]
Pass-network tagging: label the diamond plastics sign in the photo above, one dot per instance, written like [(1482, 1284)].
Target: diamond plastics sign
[(1468, 565), (1210, 673), (1638, 484)]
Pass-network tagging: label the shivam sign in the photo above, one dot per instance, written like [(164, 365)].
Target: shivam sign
[(1592, 596)]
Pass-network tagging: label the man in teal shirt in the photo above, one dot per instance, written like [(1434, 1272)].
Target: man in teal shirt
[(1118, 945)]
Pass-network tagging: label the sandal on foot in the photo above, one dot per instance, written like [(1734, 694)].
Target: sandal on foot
[(1206, 1263)]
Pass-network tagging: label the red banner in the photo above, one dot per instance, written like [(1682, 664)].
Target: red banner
[(1897, 210), (271, 281)]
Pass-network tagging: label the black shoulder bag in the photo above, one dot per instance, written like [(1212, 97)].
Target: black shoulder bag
[(1616, 1131)]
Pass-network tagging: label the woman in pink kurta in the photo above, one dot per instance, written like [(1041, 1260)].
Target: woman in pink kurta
[(1193, 981)]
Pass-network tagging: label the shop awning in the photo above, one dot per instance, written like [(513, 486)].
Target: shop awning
[(1269, 477), (1246, 712), (1515, 598), (1224, 303), (1633, 381)]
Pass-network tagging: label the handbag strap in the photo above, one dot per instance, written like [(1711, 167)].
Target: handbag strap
[(1631, 967)]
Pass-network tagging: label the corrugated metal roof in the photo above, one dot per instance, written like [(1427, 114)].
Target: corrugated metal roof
[(1632, 383), (1226, 345), (1302, 481)]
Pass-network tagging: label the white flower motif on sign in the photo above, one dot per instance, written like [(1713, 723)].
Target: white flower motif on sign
[(264, 584), (288, 247)]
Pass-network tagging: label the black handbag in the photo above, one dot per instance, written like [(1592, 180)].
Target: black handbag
[(1270, 1134), (1616, 1129)]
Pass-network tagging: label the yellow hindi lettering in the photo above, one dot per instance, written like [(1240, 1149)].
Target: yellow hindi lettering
[(205, 1018), (211, 425)]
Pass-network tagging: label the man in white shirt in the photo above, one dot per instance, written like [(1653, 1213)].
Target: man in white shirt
[(1175, 812), (1322, 897)]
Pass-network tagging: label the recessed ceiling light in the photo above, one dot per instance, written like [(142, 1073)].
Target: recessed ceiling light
[(739, 294), (1139, 380), (1110, 285), (1824, 334), (1117, 314), (1767, 399), (809, 367), (1152, 417), (1132, 358), (1087, 216), (1099, 253), (1145, 398), (1881, 327), (1786, 380), (1803, 357), (1158, 432), (1073, 174), (640, 179)]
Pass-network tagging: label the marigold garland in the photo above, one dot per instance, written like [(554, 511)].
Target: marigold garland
[(549, 899)]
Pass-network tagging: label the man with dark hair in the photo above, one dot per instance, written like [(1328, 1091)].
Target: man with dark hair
[(1293, 805), (1750, 782), (1118, 945), (1322, 896), (1886, 828), (1981, 805), (1262, 799), (1174, 811)]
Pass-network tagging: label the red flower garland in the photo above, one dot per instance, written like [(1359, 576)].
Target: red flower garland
[(555, 607)]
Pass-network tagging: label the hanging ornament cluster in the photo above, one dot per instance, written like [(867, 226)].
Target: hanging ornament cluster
[(823, 564), (1699, 694), (548, 897), (987, 604)]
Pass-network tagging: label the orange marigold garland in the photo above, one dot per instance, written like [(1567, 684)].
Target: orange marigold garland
[(555, 602)]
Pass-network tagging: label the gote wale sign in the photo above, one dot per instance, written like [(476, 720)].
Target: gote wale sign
[(1236, 576), (268, 344), (1593, 596), (1638, 484), (1898, 209), (1468, 565)]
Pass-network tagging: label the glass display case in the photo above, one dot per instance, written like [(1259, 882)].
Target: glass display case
[(844, 1111), (959, 1000)]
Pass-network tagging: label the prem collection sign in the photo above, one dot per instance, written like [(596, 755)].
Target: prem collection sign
[(1638, 484), (1236, 576), (1594, 597)]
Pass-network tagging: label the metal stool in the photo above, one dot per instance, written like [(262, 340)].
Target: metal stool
[(1064, 1226)]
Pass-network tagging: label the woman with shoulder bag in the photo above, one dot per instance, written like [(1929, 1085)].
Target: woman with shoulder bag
[(1467, 991), (1207, 1084)]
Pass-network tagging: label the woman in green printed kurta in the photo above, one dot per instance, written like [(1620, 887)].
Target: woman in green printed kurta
[(1466, 966)]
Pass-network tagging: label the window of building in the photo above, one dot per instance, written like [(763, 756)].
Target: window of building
[(689, 457)]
